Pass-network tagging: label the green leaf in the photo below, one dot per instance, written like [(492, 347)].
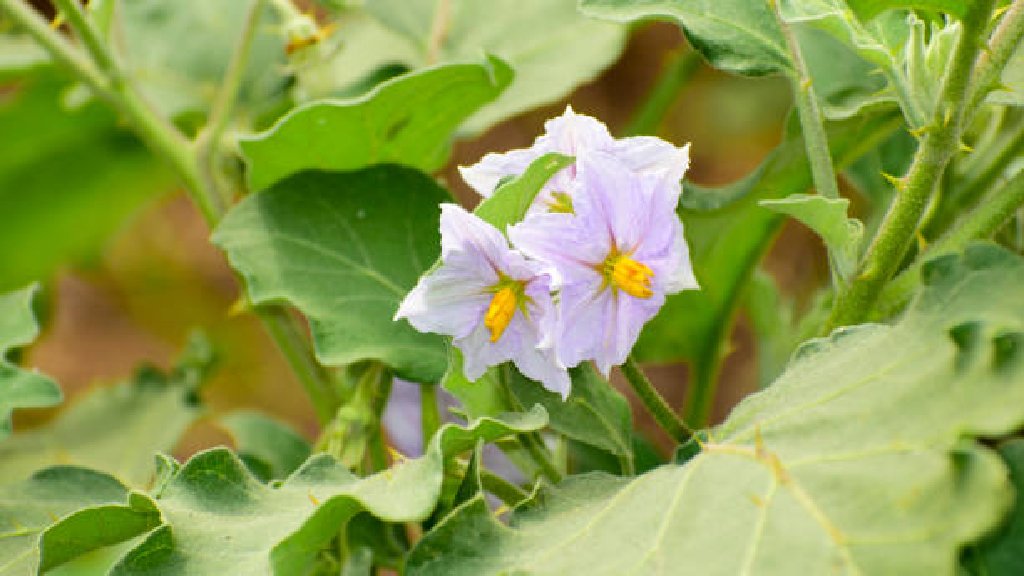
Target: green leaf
[(49, 222), (727, 242), (550, 45), (115, 429), (219, 519), (265, 442), (27, 508), (733, 35), (344, 248), (827, 218), (889, 482), (1011, 92), (20, 388), (180, 77), (1002, 553), (407, 120), (509, 203), (594, 413), (868, 9)]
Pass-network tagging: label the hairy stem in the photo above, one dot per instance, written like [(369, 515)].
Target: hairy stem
[(538, 452), (676, 73), (1005, 40), (668, 420), (854, 302), (815, 141), (992, 213), (87, 33)]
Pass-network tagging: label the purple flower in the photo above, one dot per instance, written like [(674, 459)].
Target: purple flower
[(494, 302), (574, 135), (615, 259)]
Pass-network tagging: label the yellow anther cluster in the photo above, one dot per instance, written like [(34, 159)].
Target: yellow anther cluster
[(500, 311), (628, 275)]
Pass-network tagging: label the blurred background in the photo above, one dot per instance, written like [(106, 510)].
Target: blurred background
[(128, 273)]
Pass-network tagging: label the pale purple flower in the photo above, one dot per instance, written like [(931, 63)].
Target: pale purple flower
[(574, 135), (494, 302), (615, 259)]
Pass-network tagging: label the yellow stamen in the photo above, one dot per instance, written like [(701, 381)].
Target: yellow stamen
[(501, 311), (628, 275)]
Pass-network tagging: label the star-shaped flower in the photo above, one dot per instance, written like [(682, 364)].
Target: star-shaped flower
[(615, 259), (494, 302)]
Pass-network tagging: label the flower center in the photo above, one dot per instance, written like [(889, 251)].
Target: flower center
[(623, 273), (507, 294), (561, 203)]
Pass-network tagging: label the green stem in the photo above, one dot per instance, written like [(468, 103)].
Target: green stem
[(295, 348), (991, 214), (815, 141), (681, 66), (1005, 40), (208, 141), (538, 452), (704, 386), (668, 420), (430, 417), (506, 491), (79, 21), (896, 233)]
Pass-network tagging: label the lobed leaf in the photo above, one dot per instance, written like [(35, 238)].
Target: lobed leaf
[(407, 120), (115, 429), (344, 248), (20, 388), (217, 518), (857, 460)]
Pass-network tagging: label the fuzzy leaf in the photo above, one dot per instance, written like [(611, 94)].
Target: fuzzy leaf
[(827, 218), (20, 388), (407, 120), (733, 35), (344, 248), (266, 443), (1002, 553), (888, 482), (115, 429), (219, 519), (28, 507)]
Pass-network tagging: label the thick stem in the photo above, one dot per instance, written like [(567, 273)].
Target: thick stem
[(991, 214), (295, 348), (538, 452), (675, 74), (1005, 40), (854, 303), (668, 420), (815, 140)]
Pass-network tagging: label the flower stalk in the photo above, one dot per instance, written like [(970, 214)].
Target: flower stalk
[(656, 405)]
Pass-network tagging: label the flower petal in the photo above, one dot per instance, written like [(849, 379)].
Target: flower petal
[(485, 175), (447, 301), (650, 155), (558, 240), (610, 200), (573, 133)]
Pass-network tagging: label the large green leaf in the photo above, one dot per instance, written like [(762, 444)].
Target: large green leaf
[(552, 48), (733, 35), (183, 76), (407, 120), (1002, 553), (219, 519), (27, 508), (20, 388), (115, 429), (857, 460), (867, 9), (56, 217), (344, 248), (271, 449)]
